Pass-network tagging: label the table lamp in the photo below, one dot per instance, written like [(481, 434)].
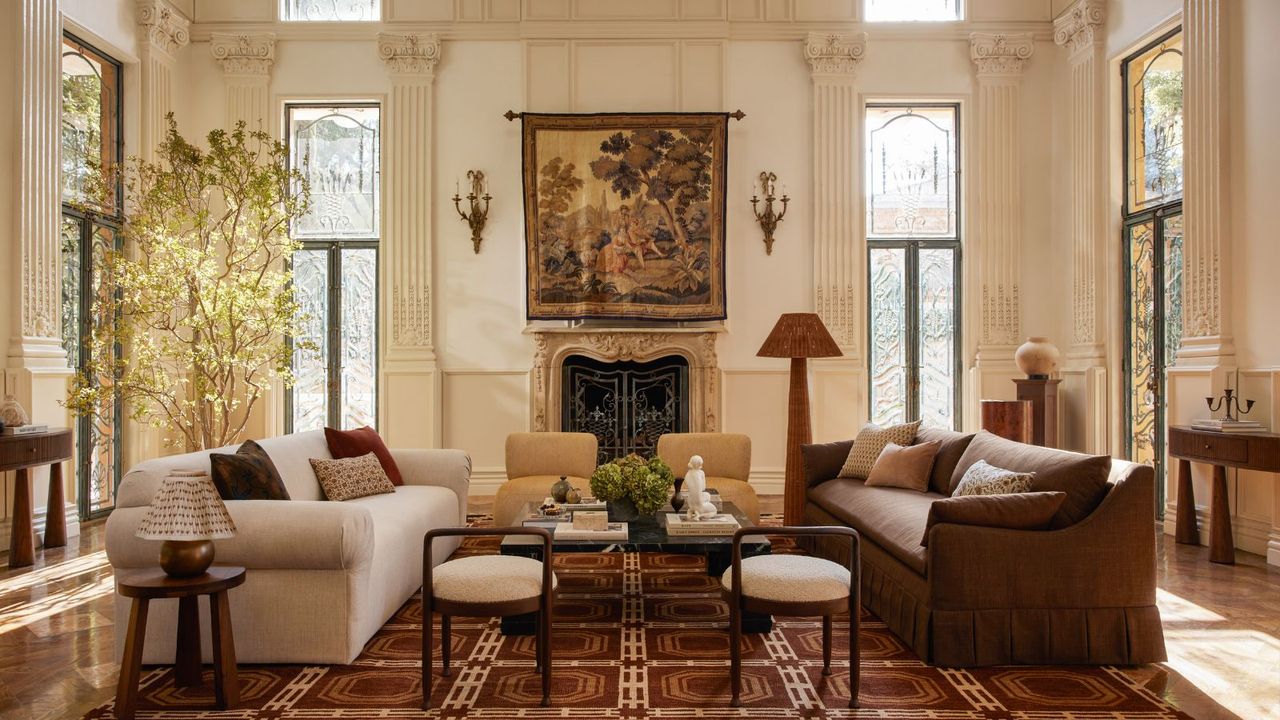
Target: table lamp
[(798, 336), (188, 516)]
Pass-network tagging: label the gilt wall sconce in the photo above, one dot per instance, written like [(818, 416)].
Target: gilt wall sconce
[(769, 219), (478, 215)]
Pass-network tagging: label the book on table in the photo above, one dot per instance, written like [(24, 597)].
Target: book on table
[(614, 531), (25, 429), (1228, 426), (722, 524)]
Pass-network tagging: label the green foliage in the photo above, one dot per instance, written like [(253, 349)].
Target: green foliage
[(200, 291), (646, 482)]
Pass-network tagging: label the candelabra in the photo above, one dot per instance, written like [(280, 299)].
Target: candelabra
[(1230, 403), (769, 219), (478, 215)]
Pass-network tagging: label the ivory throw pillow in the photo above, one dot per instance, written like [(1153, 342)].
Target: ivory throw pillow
[(869, 444), (350, 478), (904, 467), (984, 479)]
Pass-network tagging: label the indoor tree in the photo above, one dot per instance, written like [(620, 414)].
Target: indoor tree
[(199, 288)]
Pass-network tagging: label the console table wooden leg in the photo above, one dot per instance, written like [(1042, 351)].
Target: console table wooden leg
[(55, 519), (1221, 542), (131, 663), (226, 680), (22, 544), (186, 663), (1188, 531)]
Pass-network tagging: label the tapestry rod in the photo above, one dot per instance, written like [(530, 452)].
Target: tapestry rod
[(512, 115)]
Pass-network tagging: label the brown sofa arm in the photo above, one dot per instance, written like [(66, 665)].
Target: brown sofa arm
[(1106, 560)]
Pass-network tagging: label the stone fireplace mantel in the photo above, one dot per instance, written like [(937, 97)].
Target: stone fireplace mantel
[(697, 345)]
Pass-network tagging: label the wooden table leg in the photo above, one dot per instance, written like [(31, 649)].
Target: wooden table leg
[(1188, 531), (1221, 542), (226, 680), (186, 663), (22, 543), (131, 663), (55, 519)]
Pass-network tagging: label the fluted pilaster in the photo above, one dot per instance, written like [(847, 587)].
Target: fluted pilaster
[(164, 32), (246, 62)]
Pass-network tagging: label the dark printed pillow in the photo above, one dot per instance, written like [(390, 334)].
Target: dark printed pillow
[(351, 478), (249, 474)]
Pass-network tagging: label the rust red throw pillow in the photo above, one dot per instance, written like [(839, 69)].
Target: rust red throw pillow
[(361, 441)]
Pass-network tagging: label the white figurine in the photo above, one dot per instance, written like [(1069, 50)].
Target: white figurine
[(700, 505)]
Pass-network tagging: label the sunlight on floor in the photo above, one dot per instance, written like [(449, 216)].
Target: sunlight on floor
[(90, 578), (64, 570)]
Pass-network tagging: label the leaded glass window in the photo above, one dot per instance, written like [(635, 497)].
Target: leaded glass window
[(913, 246), (912, 10), (331, 10), (1153, 138), (90, 133), (336, 147)]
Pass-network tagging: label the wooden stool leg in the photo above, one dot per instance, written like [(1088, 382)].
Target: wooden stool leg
[(22, 543), (186, 663), (55, 519), (131, 663), (226, 679), (735, 654), (855, 652), (1186, 531), (1221, 541), (538, 644), (544, 649), (428, 627), (826, 644), (445, 626)]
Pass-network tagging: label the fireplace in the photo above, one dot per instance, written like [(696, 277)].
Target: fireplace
[(626, 404)]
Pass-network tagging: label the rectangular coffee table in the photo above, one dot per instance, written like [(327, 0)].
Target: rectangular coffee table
[(646, 535)]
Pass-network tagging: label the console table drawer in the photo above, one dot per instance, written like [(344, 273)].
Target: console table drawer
[(1210, 447)]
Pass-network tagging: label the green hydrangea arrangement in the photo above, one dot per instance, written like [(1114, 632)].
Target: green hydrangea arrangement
[(647, 483)]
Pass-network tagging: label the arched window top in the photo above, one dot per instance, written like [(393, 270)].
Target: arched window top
[(1153, 124)]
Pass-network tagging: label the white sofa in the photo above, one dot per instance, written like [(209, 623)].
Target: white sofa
[(322, 576)]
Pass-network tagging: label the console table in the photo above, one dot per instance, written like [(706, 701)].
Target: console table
[(21, 453), (1244, 451)]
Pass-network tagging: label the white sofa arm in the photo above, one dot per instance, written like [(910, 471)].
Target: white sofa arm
[(282, 534), (446, 468)]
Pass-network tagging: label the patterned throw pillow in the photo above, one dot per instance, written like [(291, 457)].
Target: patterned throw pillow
[(350, 478), (984, 479), (870, 443), (249, 474)]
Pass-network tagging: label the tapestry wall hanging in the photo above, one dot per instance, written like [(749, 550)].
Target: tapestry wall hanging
[(624, 215)]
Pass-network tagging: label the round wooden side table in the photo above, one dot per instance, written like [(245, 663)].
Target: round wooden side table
[(153, 584)]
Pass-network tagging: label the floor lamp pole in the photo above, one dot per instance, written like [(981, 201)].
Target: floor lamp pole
[(799, 432)]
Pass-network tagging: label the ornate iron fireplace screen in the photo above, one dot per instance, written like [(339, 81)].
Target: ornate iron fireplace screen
[(626, 405)]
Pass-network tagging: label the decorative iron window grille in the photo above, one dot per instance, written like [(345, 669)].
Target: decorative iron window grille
[(626, 405)]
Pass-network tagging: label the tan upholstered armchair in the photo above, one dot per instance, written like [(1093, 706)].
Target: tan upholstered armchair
[(726, 459), (535, 461)]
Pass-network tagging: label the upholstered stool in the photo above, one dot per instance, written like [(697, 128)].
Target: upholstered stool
[(487, 586), (793, 585)]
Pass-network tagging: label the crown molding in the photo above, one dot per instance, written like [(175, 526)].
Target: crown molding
[(1000, 54)]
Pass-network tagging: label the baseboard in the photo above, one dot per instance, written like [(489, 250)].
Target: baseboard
[(1251, 536), (72, 515)]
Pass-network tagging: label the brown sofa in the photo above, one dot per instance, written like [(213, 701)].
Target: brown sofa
[(1082, 591)]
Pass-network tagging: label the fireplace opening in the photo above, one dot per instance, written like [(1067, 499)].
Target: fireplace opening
[(627, 405)]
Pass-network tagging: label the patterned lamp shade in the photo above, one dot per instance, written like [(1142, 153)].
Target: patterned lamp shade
[(187, 507), (799, 335)]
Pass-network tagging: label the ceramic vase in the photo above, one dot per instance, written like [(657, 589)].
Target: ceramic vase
[(1037, 357), (12, 414), (560, 490)]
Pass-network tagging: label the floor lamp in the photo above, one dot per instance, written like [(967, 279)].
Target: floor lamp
[(798, 336)]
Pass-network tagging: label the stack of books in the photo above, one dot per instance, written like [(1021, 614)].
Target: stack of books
[(613, 531), (1228, 426), (722, 524), (27, 429)]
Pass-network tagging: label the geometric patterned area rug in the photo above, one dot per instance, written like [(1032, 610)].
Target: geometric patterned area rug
[(643, 635)]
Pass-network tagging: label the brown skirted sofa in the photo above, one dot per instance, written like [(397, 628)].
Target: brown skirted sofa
[(1082, 591)]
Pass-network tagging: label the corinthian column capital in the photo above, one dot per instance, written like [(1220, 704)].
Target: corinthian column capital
[(242, 54), (1077, 28), (834, 53), (1000, 54), (411, 53), (166, 29)]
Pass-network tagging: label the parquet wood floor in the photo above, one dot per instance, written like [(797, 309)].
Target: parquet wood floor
[(1222, 625)]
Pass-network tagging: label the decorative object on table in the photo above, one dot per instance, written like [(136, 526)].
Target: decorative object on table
[(573, 497), (192, 372), (624, 215), (677, 499), (187, 514), (679, 525), (560, 490), (12, 413), (20, 454), (1037, 357), (1231, 404), (351, 478), (591, 520), (1010, 419), (699, 499), (1043, 395), (612, 531), (769, 219), (798, 336), (633, 486), (249, 474), (478, 216)]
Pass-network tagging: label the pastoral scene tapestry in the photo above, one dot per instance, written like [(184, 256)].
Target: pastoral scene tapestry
[(624, 215)]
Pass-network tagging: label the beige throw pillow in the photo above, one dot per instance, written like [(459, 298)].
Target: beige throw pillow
[(984, 479), (870, 443), (904, 467), (350, 478)]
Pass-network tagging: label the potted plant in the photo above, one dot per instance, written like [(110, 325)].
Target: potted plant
[(633, 487)]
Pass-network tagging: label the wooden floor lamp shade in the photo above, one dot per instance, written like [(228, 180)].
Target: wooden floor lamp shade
[(798, 336)]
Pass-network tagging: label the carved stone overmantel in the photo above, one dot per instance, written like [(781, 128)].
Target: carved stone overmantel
[(411, 53), (1000, 54), (697, 346), (243, 54)]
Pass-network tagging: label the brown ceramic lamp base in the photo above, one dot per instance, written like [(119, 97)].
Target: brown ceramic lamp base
[(186, 558)]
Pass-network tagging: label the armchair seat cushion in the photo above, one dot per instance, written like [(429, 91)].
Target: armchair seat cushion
[(739, 493), (790, 578), (514, 493), (893, 518), (488, 579)]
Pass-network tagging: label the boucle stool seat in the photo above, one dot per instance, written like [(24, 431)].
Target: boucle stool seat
[(489, 579), (790, 578)]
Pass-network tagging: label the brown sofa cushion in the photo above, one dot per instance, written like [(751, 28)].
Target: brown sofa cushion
[(904, 467), (1082, 477), (953, 446), (1018, 511), (822, 461), (892, 518)]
